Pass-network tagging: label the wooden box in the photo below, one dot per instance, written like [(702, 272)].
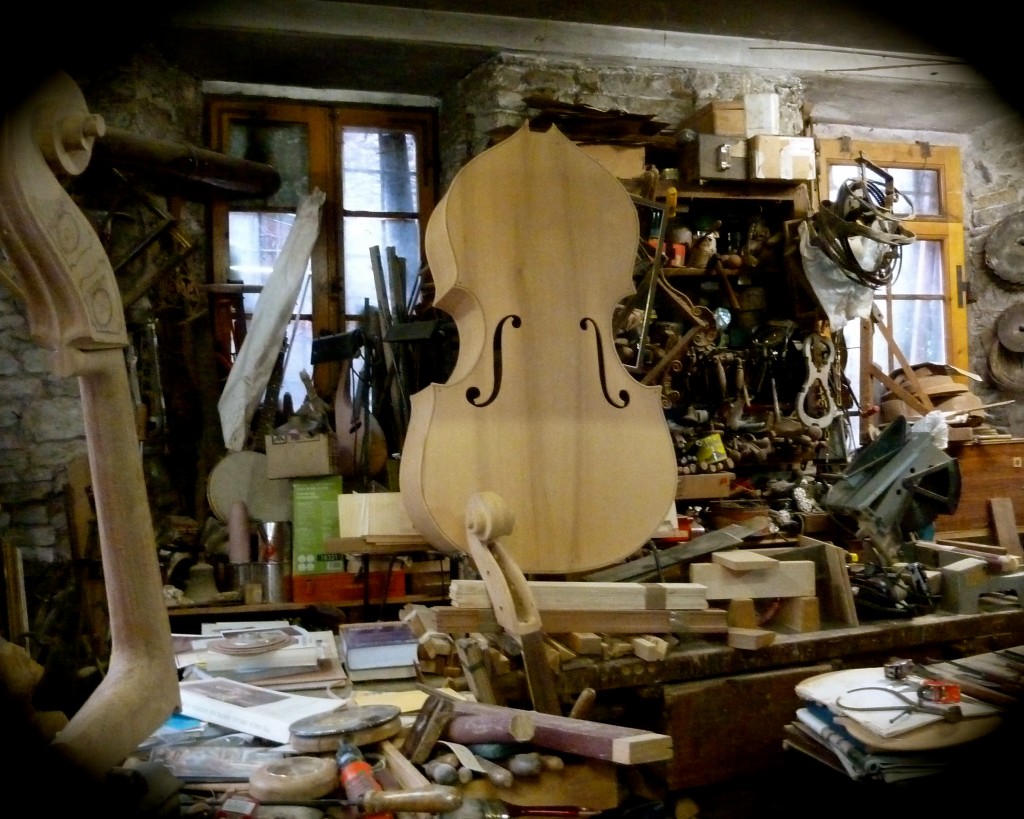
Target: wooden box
[(721, 117), (714, 485), (710, 156), (781, 157), (307, 456), (988, 469)]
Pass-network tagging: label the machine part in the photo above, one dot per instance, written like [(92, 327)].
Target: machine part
[(815, 404), (895, 485)]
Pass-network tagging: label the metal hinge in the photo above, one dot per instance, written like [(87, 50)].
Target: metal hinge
[(964, 295)]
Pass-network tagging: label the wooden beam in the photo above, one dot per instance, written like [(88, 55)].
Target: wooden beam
[(551, 595), (459, 620)]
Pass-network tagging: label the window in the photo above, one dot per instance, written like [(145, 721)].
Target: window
[(376, 167), (924, 304)]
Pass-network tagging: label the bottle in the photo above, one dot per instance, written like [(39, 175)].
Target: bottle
[(356, 775)]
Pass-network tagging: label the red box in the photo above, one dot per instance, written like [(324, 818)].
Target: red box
[(337, 587)]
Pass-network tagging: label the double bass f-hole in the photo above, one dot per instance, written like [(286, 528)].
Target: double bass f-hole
[(820, 352), (623, 394), (474, 393)]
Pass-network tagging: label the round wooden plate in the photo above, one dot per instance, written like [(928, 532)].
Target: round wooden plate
[(242, 476), (358, 724)]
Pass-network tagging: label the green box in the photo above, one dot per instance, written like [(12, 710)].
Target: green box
[(314, 519)]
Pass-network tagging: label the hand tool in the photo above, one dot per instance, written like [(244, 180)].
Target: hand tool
[(949, 713)]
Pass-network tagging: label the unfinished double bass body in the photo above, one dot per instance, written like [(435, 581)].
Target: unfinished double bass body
[(531, 249)]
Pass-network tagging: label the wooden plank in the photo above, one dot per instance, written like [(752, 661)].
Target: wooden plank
[(593, 740), (1004, 524), (459, 620), (552, 595), (798, 615), (788, 579)]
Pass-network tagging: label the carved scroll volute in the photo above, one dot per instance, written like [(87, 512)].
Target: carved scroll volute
[(56, 262)]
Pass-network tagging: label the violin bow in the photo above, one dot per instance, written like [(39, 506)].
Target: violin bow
[(57, 266)]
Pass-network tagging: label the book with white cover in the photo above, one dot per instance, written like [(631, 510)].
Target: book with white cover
[(250, 709)]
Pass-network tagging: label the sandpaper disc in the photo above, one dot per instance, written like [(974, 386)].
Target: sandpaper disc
[(358, 724), (1004, 249), (1010, 328)]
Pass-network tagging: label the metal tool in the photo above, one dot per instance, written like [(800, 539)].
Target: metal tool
[(949, 713)]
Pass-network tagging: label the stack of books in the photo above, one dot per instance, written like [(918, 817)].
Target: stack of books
[(873, 727), (280, 656), (386, 650)]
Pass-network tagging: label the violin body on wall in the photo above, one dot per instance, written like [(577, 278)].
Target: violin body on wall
[(531, 249)]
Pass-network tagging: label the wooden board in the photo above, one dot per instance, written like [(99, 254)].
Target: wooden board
[(831, 578), (1004, 524), (560, 596), (459, 620)]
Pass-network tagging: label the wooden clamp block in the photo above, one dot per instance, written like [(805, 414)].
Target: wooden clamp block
[(649, 647), (742, 613), (740, 560), (750, 638), (798, 615)]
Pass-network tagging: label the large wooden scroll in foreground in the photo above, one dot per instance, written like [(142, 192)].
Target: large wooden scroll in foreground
[(58, 267), (531, 250)]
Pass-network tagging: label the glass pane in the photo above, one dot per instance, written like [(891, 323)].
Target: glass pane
[(285, 145), (379, 171), (361, 234), (919, 186), (919, 329), (921, 270)]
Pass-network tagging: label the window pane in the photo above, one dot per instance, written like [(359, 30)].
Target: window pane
[(921, 270), (919, 186), (285, 145), (919, 329), (379, 171), (363, 233)]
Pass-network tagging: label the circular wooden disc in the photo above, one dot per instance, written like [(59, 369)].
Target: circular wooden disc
[(242, 476), (297, 778), (1010, 328), (358, 724), (1004, 249), (1005, 368)]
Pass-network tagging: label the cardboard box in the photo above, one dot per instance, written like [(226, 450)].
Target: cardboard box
[(314, 520), (339, 587), (306, 457), (780, 157), (721, 117), (624, 161)]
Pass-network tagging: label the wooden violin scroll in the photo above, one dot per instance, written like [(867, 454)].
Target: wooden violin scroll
[(59, 268), (531, 250)]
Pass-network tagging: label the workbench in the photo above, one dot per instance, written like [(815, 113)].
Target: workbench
[(725, 708)]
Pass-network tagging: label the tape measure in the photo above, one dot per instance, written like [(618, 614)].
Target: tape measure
[(941, 691)]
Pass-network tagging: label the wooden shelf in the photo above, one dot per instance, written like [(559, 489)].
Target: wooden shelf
[(271, 608)]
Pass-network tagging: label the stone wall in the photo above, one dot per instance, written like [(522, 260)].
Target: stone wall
[(993, 171), (41, 424)]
